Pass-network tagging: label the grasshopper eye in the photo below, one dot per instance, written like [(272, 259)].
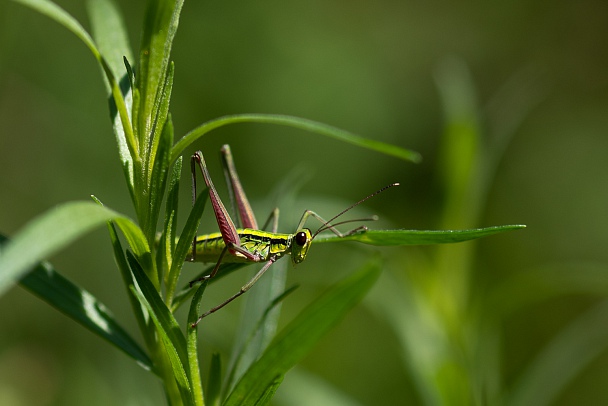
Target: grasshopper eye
[(301, 238)]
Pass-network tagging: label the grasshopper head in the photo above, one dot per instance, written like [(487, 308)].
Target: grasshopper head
[(300, 244)]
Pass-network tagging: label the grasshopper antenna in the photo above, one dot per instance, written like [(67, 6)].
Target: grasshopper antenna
[(328, 224)]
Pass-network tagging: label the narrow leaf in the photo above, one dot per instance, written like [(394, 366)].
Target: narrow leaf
[(158, 179), (160, 119), (112, 41), (295, 122), (48, 233), (160, 24), (166, 326), (192, 341), (299, 337), (82, 307), (140, 313), (179, 371), (185, 242), (110, 34), (418, 237), (162, 313), (168, 238)]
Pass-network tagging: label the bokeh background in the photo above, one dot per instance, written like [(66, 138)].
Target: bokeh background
[(519, 320)]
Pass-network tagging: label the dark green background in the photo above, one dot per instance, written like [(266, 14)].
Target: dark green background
[(365, 66)]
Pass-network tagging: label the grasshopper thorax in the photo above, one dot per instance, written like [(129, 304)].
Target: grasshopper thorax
[(300, 243)]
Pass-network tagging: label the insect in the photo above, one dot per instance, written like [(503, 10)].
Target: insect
[(250, 243)]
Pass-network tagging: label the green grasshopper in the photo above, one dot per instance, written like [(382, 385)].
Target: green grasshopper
[(250, 243)]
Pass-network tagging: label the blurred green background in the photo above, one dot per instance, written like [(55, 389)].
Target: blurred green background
[(376, 69)]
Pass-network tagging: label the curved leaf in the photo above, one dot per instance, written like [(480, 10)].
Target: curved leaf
[(418, 237), (299, 337), (295, 122), (83, 307), (55, 229)]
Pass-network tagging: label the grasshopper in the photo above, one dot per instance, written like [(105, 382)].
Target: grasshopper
[(250, 243)]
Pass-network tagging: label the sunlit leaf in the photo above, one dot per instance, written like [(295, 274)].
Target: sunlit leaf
[(418, 237), (296, 122), (50, 232)]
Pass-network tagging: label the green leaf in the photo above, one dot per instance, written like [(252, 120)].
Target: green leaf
[(160, 25), (160, 119), (158, 179), (83, 307), (298, 338), (185, 242), (112, 41), (192, 341), (48, 233), (161, 311), (110, 34), (166, 327), (295, 122), (418, 237), (167, 241), (143, 321)]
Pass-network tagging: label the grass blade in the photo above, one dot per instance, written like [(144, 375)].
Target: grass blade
[(299, 337), (295, 122), (418, 237)]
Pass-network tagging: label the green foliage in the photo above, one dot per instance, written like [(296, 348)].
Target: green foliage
[(151, 264)]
